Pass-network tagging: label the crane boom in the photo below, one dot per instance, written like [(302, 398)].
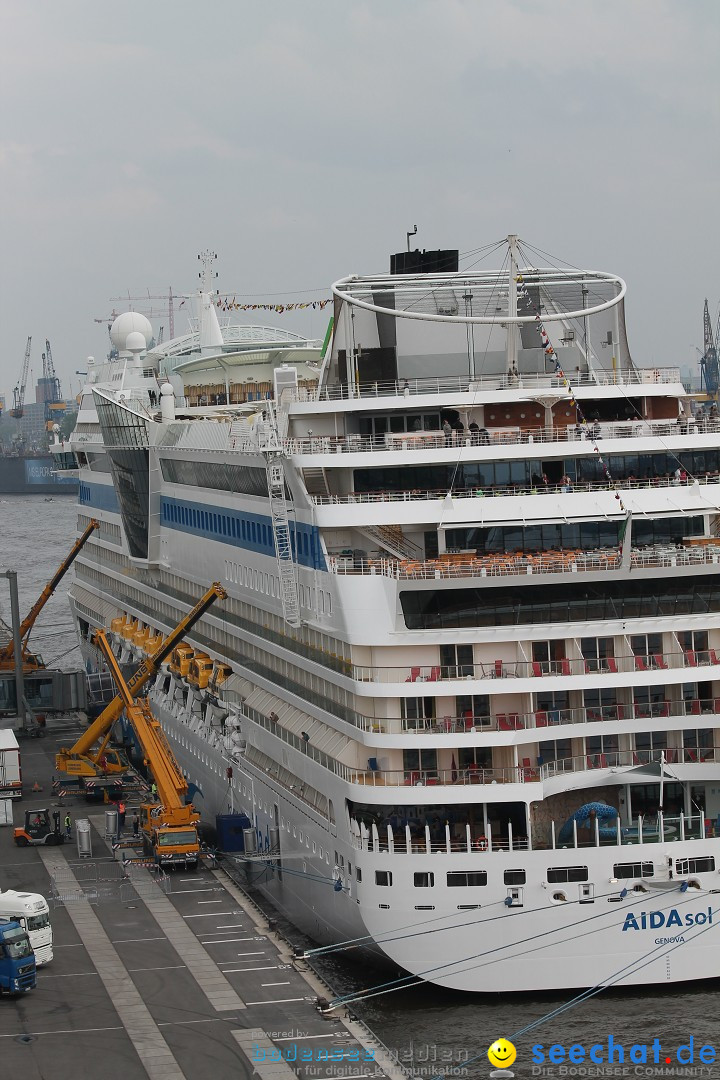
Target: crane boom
[(7, 652), (68, 760), (52, 382), (171, 784), (19, 392)]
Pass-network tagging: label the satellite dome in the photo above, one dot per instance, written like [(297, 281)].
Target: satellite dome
[(135, 342), (166, 389), (127, 323)]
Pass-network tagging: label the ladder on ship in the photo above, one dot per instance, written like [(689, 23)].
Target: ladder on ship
[(283, 542), (391, 538)]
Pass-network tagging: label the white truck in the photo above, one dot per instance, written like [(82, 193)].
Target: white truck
[(31, 910), (10, 770)]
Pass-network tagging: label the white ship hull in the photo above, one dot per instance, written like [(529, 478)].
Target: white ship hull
[(475, 736)]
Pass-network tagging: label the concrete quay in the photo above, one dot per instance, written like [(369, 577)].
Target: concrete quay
[(168, 986)]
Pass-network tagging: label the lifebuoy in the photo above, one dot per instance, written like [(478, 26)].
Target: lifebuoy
[(481, 843)]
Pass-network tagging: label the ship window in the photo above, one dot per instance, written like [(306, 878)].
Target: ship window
[(383, 877), (567, 873), (560, 603), (384, 907), (633, 869), (469, 907), (424, 907), (514, 877), (461, 879), (424, 880), (358, 873), (695, 866)]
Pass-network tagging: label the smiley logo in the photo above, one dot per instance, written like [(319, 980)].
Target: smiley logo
[(502, 1053)]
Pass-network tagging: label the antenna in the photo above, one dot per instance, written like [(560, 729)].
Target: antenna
[(408, 235)]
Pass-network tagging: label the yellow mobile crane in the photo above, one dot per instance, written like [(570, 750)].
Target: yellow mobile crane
[(168, 827), (30, 661), (81, 760)]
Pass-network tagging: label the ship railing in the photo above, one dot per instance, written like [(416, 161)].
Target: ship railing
[(467, 838), (630, 759), (536, 669), (442, 777), (501, 381), (467, 564), (543, 718), (509, 490), (506, 436)]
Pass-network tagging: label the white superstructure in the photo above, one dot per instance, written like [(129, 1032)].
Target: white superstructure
[(467, 677)]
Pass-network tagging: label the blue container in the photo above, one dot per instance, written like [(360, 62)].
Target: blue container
[(230, 831)]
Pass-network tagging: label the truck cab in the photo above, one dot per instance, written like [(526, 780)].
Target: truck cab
[(32, 912), (170, 845), (17, 960)]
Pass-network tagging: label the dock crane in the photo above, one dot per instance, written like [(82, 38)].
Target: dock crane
[(32, 662), (19, 392), (169, 827), (709, 359), (81, 760), (50, 379)]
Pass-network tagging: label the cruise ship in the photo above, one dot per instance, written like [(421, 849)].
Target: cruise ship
[(465, 684)]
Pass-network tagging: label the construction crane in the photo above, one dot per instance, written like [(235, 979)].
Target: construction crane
[(168, 826), (50, 379), (30, 661), (19, 392), (170, 297), (81, 760), (709, 358)]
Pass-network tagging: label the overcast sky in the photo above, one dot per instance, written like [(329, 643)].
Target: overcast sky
[(301, 141)]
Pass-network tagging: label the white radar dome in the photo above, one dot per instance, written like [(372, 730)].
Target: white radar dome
[(135, 342), (127, 323)]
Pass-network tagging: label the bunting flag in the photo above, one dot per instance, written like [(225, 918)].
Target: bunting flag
[(225, 304), (552, 356)]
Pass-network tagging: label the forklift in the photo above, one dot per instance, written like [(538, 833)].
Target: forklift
[(39, 829)]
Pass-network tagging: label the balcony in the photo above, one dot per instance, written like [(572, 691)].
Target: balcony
[(464, 838), (577, 487), (525, 669), (629, 759), (463, 383), (504, 436), (443, 777), (544, 718)]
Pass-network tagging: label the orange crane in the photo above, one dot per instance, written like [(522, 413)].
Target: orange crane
[(19, 392), (84, 762), (168, 827), (30, 661)]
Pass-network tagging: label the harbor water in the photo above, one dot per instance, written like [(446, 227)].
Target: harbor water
[(431, 1030)]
